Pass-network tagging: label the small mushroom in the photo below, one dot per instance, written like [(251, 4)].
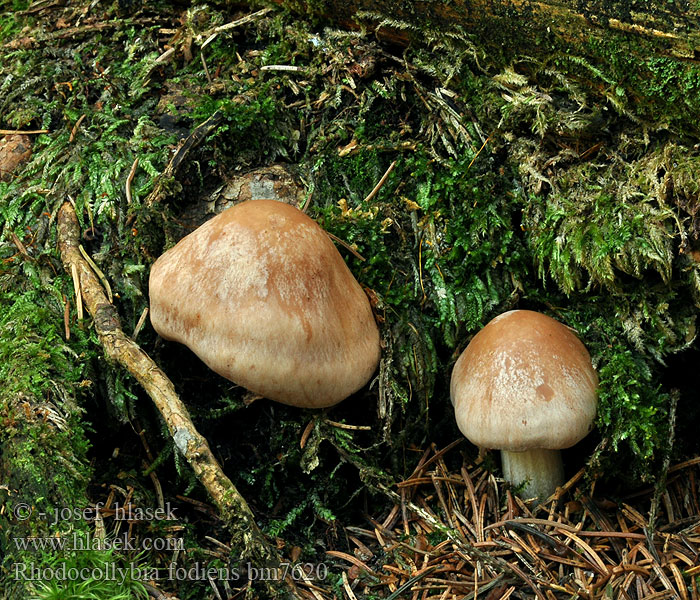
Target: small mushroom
[(264, 298), (15, 150), (525, 385)]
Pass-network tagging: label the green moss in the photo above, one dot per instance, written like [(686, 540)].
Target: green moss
[(91, 574), (646, 85), (43, 438), (582, 237), (9, 20)]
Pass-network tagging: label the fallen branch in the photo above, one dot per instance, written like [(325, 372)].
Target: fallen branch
[(662, 31), (233, 508)]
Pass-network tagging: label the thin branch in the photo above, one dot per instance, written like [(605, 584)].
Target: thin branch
[(129, 179), (192, 445), (199, 133), (20, 132), (382, 181)]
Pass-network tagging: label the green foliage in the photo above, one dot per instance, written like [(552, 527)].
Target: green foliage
[(438, 257), (45, 431), (278, 527), (250, 130), (629, 337), (89, 575), (584, 234), (43, 438), (628, 395), (33, 353), (9, 24), (647, 85)]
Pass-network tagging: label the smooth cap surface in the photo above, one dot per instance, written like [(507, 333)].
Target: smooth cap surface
[(524, 381), (263, 297)]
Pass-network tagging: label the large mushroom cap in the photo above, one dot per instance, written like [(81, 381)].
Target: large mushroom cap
[(525, 381), (263, 297)]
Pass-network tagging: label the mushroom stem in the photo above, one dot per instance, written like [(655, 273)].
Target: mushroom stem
[(542, 471)]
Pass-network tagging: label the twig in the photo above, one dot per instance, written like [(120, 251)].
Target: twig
[(162, 59), (129, 179), (348, 589), (20, 132), (98, 272), (20, 246), (382, 181), (213, 585), (165, 56), (235, 511), (479, 151), (289, 68), (212, 33), (349, 427), (76, 289), (206, 69), (39, 6), (345, 245), (66, 316), (74, 131), (306, 433), (140, 324), (199, 133)]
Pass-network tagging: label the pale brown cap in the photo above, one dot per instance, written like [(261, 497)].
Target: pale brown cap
[(525, 381), (263, 297), (14, 151)]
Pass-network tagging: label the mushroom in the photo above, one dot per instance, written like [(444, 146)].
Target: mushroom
[(525, 385), (14, 151), (264, 298)]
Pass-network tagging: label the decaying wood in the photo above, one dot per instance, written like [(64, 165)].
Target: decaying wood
[(672, 32), (234, 510)]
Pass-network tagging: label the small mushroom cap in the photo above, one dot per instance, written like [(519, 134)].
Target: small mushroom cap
[(263, 297), (524, 381), (15, 150)]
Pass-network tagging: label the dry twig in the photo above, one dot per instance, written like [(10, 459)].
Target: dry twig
[(118, 347)]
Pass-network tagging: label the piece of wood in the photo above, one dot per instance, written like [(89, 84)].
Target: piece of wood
[(246, 535), (674, 28)]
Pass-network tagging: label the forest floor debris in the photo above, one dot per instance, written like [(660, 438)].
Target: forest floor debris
[(580, 544)]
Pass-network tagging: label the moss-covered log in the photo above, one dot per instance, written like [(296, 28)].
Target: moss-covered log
[(673, 25), (643, 56)]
